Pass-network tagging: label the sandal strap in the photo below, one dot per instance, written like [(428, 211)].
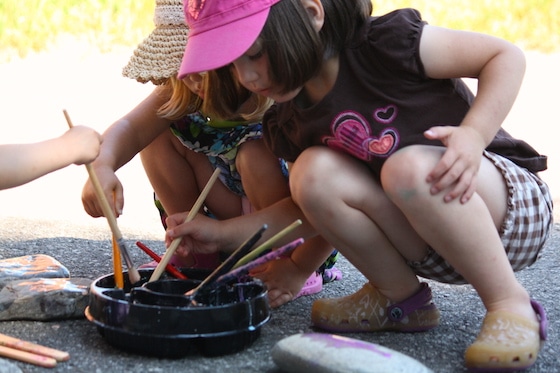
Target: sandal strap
[(422, 298), (543, 321)]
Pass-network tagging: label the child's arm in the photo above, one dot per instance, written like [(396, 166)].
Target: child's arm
[(22, 163), (206, 235), (121, 142), (284, 277), (499, 67)]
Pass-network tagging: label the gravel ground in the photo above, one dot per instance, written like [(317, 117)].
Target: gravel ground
[(46, 216)]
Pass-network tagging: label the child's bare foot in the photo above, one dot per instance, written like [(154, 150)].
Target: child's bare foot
[(283, 279)]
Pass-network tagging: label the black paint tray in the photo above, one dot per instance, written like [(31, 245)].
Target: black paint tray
[(153, 319)]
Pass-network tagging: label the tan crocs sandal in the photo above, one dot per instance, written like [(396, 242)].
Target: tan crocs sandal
[(368, 310), (507, 341)]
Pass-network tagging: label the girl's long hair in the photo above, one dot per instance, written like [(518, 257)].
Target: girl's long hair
[(224, 98)]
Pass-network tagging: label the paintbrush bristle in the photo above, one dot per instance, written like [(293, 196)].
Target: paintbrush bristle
[(134, 275)]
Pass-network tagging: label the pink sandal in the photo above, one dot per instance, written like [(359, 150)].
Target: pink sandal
[(313, 285)]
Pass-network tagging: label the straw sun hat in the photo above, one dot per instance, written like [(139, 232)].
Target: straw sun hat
[(159, 56)]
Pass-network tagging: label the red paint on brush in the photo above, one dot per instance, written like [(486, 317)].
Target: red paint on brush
[(169, 268)]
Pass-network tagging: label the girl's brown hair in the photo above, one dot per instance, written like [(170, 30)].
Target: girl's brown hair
[(224, 99), (295, 50)]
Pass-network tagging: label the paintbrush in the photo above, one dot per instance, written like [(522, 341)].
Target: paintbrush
[(133, 274), (169, 268), (267, 245), (273, 255), (27, 357), (30, 352), (175, 244), (227, 265), (117, 265)]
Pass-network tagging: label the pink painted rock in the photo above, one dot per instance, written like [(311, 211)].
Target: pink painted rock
[(317, 352)]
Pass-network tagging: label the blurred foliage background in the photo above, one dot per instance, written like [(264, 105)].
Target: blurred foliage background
[(28, 26)]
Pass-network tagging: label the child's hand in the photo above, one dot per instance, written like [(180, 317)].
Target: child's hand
[(457, 170), (110, 185), (84, 142), (201, 235)]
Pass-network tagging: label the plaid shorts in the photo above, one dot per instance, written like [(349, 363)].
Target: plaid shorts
[(526, 227)]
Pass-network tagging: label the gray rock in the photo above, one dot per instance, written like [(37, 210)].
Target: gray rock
[(31, 266), (329, 353), (44, 299), (8, 367)]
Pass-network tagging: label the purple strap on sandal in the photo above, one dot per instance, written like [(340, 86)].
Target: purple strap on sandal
[(543, 321), (421, 299)]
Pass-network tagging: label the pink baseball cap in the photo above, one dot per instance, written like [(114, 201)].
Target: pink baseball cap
[(221, 31)]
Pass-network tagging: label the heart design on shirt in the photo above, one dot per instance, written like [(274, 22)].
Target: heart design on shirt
[(384, 144), (352, 134), (385, 114), (350, 130)]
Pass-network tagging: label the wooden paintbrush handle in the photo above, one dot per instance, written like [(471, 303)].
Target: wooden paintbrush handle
[(192, 213), (105, 206), (273, 255), (33, 348), (133, 274), (268, 244), (27, 357)]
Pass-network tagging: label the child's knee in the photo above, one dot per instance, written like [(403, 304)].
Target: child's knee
[(406, 169), (253, 156), (312, 172)]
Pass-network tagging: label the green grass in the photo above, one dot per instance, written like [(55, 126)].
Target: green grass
[(36, 25), (101, 23)]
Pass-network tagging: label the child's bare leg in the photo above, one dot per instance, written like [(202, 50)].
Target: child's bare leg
[(264, 184), (177, 175), (345, 203), (261, 174), (466, 235)]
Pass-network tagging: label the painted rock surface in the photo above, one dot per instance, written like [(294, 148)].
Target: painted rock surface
[(44, 299), (317, 352), (31, 266), (39, 287)]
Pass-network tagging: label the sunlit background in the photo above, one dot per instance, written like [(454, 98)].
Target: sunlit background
[(36, 25), (68, 54)]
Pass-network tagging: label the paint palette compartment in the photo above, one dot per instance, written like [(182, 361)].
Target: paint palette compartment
[(156, 319)]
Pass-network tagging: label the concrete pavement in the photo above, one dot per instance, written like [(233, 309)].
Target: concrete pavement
[(85, 250)]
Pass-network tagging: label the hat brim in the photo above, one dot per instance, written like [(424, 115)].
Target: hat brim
[(218, 47), (158, 57)]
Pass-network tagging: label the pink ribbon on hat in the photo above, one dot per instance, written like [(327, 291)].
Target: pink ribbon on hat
[(195, 7)]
